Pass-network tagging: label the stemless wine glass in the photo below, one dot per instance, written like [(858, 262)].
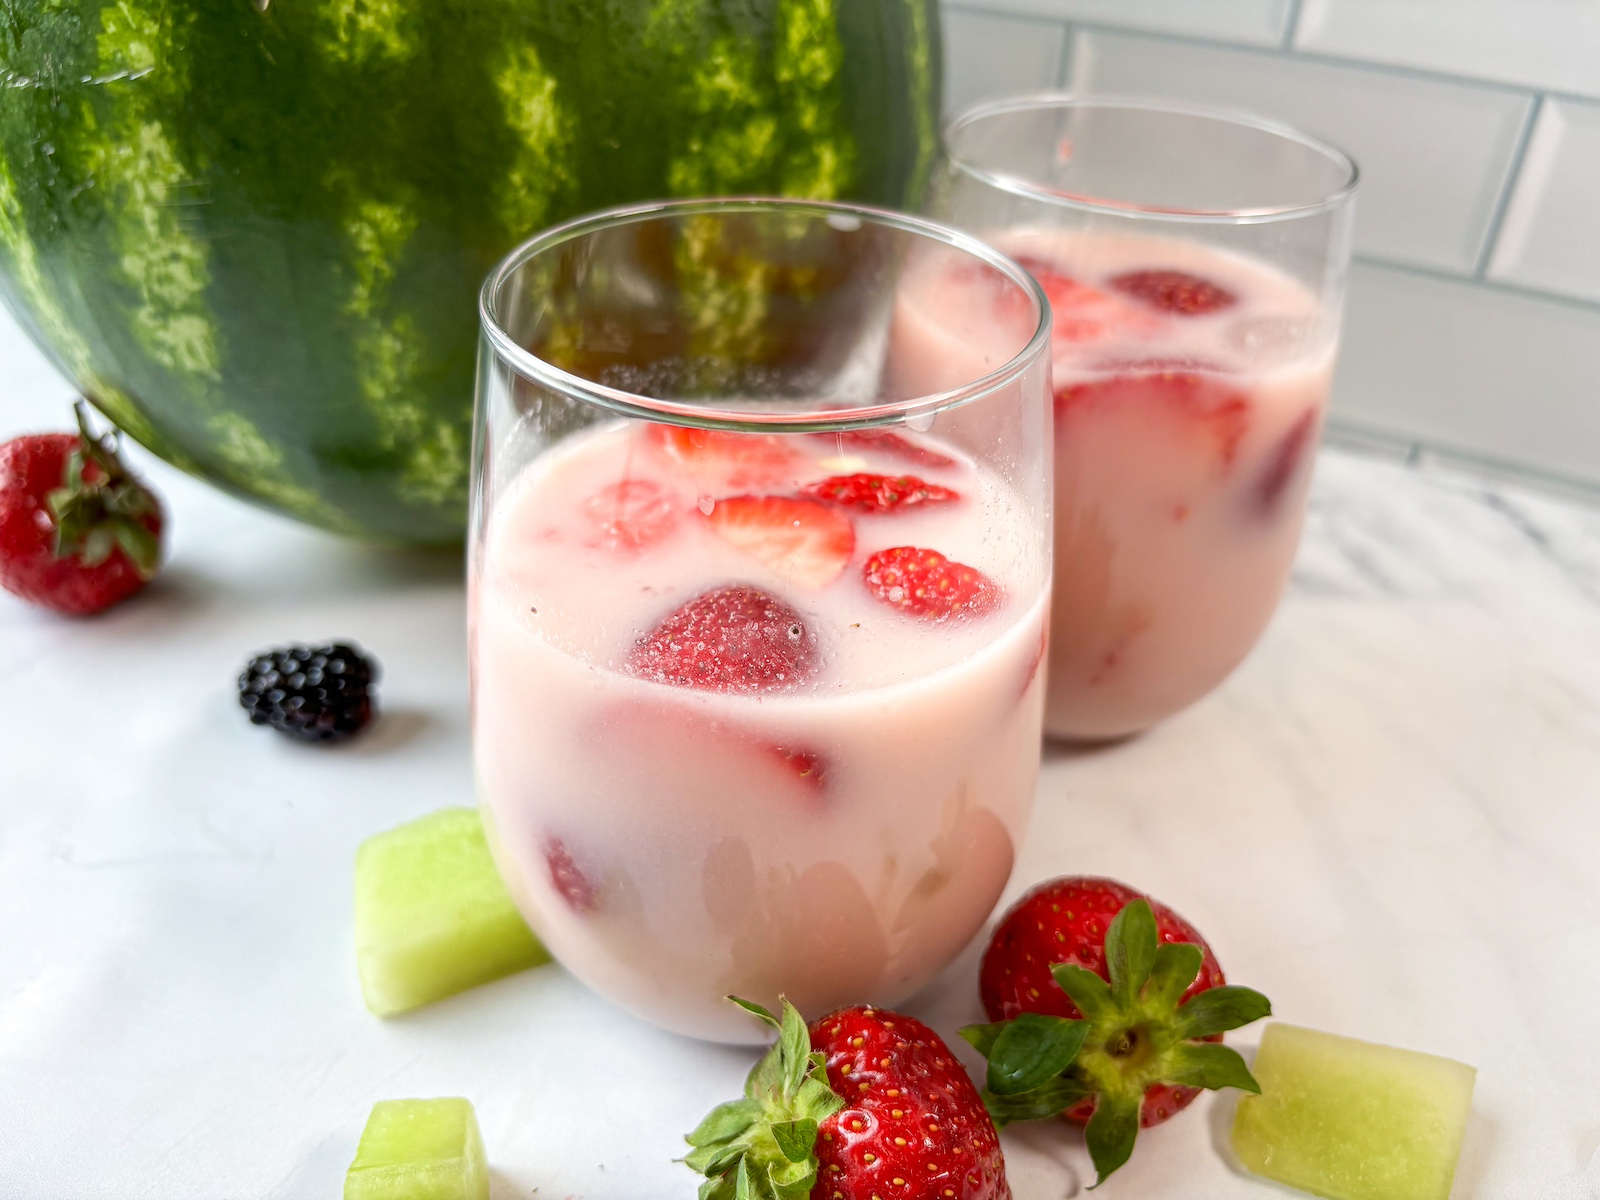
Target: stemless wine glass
[(1195, 263), (758, 578)]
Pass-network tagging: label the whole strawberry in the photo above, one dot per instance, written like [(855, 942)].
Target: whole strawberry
[(1107, 1008), (78, 533), (864, 1104)]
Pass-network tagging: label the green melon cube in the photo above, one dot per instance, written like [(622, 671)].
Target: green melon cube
[(419, 1150), (432, 916), (1351, 1120)]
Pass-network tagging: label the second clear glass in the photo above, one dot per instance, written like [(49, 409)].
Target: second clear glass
[(758, 584), (1195, 263)]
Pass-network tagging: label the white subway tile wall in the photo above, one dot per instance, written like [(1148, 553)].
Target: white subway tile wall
[(1261, 22), (1540, 44), (1550, 239), (990, 55), (1430, 184), (1474, 313)]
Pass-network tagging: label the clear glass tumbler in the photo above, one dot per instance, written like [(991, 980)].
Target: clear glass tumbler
[(758, 584), (1195, 263)]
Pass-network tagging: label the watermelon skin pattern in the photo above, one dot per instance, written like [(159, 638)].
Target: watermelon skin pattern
[(253, 231)]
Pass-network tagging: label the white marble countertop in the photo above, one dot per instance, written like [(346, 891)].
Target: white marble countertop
[(1388, 820)]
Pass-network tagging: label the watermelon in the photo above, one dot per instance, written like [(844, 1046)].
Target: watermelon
[(253, 231)]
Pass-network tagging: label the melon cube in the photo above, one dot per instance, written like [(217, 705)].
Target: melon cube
[(1351, 1120), (432, 916), (419, 1150)]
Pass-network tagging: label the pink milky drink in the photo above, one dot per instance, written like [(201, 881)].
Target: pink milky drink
[(756, 709), (1194, 265)]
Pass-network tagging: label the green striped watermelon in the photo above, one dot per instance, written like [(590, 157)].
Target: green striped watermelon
[(253, 230)]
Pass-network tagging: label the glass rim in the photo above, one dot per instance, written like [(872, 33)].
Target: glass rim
[(694, 415), (1021, 186)]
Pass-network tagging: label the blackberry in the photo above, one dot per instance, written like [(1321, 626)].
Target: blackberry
[(314, 693)]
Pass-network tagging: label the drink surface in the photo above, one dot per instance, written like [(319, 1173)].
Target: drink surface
[(1189, 390), (836, 834)]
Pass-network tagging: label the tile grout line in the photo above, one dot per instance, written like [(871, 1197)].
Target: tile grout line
[(1483, 284), (1291, 25), (1396, 70), (1069, 34), (1508, 188), (1356, 435)]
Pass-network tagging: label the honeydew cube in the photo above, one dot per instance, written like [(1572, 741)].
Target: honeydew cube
[(1350, 1120), (419, 1150), (432, 916)]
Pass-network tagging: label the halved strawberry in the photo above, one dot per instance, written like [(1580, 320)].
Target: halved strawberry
[(570, 883), (887, 441), (730, 639), (878, 493), (924, 583), (1175, 292), (1080, 313), (1284, 464), (630, 515), (806, 542), (734, 460), (1215, 407), (808, 767)]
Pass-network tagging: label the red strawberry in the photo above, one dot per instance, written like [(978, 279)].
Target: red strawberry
[(1212, 406), (878, 493), (926, 584), (630, 515), (865, 1104), (78, 533), (734, 460), (570, 883), (805, 542), (808, 767), (1286, 459), (1175, 292), (730, 639), (1078, 312), (887, 441), (1107, 1007)]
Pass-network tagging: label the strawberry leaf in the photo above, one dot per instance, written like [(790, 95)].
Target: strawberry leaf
[(794, 1049), (796, 1138), (1055, 1096), (1031, 1050), (1131, 943), (750, 1006), (1220, 1009), (982, 1037), (1086, 989), (724, 1123), (1210, 1065), (1176, 966), (1111, 1133)]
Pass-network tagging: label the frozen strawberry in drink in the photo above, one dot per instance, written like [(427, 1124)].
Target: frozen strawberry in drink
[(757, 699), (1194, 264)]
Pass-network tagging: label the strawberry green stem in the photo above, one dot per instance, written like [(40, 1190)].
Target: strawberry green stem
[(762, 1147), (100, 506), (1135, 1032)]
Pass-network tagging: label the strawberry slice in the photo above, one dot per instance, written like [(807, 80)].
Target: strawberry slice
[(1212, 406), (570, 883), (630, 516), (878, 493), (806, 542), (735, 460), (1284, 464), (730, 639), (924, 583), (807, 766), (1175, 292), (887, 441), (1079, 312)]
